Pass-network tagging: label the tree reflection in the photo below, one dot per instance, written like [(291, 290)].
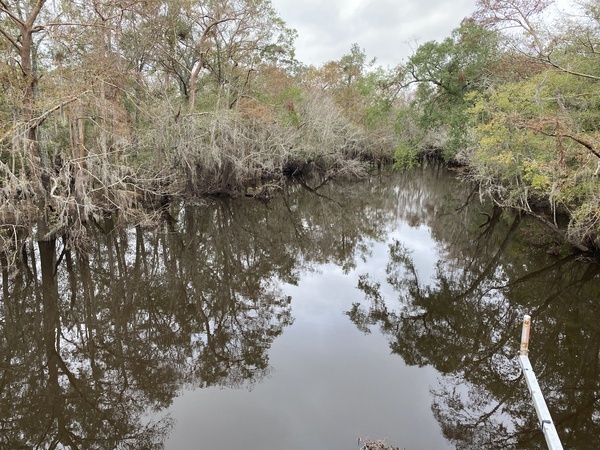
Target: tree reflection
[(95, 342), (59, 388), (465, 323)]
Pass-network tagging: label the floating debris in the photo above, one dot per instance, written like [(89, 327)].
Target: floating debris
[(379, 444)]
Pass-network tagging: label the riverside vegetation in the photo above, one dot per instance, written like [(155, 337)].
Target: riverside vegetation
[(115, 108)]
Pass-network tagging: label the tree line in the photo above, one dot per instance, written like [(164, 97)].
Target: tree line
[(111, 107), (512, 95)]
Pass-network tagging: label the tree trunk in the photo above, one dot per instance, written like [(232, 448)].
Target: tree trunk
[(25, 47)]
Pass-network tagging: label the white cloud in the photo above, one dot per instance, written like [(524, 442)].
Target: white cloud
[(384, 28)]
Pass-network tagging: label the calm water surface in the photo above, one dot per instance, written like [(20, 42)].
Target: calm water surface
[(386, 309)]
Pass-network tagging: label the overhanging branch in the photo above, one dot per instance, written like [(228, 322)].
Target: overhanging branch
[(37, 121)]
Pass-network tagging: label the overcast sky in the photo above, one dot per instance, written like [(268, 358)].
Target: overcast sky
[(386, 29)]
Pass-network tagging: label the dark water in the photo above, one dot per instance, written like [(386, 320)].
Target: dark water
[(387, 309)]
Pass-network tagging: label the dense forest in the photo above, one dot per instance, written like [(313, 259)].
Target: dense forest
[(117, 107)]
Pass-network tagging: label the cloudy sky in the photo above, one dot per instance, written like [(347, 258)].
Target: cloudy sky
[(386, 29)]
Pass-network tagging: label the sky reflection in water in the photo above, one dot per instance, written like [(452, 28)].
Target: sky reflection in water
[(330, 384)]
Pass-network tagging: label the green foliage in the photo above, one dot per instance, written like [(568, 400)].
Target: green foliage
[(376, 87), (528, 135), (355, 64), (446, 73), (406, 156)]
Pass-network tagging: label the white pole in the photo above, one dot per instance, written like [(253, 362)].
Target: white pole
[(548, 428)]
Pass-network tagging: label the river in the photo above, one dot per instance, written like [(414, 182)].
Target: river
[(388, 309)]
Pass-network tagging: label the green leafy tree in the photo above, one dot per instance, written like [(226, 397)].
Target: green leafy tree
[(445, 73), (537, 142), (537, 134)]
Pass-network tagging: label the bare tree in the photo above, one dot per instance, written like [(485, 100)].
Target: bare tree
[(543, 42)]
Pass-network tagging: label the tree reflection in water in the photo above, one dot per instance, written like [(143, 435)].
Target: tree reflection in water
[(464, 322), (95, 342)]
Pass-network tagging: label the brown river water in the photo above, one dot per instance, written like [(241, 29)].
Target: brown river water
[(383, 309)]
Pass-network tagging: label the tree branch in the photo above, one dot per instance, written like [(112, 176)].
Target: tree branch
[(11, 40), (587, 144), (34, 14), (4, 8), (37, 121), (583, 142), (569, 71)]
